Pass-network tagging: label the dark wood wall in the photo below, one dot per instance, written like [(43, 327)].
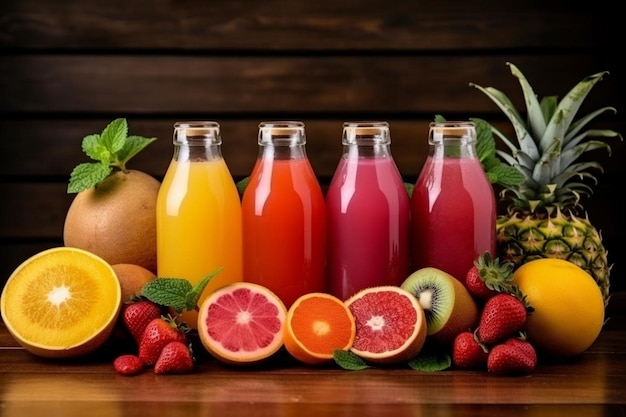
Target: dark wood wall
[(68, 67)]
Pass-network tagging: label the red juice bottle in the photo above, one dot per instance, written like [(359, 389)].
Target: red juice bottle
[(453, 206), (284, 221), (367, 212)]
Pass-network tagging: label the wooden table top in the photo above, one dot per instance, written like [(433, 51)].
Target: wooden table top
[(593, 384)]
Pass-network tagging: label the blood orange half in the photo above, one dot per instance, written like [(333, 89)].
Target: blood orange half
[(242, 323), (390, 325)]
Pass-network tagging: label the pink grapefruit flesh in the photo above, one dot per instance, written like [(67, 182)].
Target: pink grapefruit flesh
[(390, 325), (242, 323)]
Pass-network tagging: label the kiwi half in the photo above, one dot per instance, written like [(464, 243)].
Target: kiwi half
[(448, 306)]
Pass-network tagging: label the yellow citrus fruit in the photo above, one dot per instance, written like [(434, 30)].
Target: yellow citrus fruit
[(568, 306), (318, 324), (132, 279), (61, 303)]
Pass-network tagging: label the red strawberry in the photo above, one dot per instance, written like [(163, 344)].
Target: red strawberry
[(488, 277), (468, 352), (137, 315), (128, 365), (524, 345), (509, 359), (175, 358), (158, 333), (502, 316)]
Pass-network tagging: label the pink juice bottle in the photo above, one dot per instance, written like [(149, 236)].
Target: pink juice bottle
[(453, 206), (367, 212)]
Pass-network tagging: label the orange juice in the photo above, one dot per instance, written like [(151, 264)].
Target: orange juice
[(199, 222)]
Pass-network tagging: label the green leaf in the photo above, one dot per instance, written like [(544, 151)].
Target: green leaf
[(431, 362), (114, 135), (409, 188), (348, 360), (194, 295), (87, 175), (132, 146), (112, 149), (242, 184), (169, 292), (177, 293)]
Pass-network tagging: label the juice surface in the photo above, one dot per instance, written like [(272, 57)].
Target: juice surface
[(284, 231), (199, 226), (368, 226), (452, 216)]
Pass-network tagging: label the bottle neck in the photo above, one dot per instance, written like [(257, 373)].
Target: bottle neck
[(452, 140), (197, 141), (282, 140), (366, 139)]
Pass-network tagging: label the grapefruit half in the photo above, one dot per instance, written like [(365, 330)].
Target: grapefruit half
[(242, 323), (390, 325)]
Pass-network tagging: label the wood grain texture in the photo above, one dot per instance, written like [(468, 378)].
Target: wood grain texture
[(67, 68), (590, 385)]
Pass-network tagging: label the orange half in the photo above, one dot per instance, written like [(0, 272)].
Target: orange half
[(317, 325), (61, 303)]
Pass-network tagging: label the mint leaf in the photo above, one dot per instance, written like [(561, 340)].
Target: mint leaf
[(242, 184), (169, 292), (110, 149), (409, 188), (114, 135), (194, 295), (132, 146), (431, 362), (86, 175), (176, 293), (348, 360)]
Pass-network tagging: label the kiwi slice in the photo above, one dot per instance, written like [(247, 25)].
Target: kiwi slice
[(448, 306)]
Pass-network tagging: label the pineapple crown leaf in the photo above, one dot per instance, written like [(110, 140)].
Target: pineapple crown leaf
[(568, 107), (579, 124)]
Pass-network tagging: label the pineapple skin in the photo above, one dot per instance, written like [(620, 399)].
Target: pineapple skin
[(522, 237)]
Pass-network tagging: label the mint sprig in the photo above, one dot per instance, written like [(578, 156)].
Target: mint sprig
[(496, 171), (348, 360), (110, 149), (177, 293)]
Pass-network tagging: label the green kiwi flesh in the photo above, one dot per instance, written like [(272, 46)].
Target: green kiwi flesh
[(435, 292)]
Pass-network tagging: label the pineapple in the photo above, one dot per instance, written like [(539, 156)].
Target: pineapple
[(544, 217)]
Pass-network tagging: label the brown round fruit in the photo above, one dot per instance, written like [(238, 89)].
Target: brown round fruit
[(116, 219), (132, 279)]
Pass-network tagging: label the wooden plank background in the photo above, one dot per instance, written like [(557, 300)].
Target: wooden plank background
[(67, 68)]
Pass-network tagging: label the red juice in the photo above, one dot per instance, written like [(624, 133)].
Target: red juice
[(367, 212), (452, 215)]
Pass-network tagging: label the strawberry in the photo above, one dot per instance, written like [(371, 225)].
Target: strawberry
[(468, 352), (488, 277), (175, 358), (524, 345), (502, 316), (511, 359), (128, 365), (158, 333), (138, 314)]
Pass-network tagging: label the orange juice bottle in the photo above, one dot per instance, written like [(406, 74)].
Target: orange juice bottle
[(284, 219), (199, 213)]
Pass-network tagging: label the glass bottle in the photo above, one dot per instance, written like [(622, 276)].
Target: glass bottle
[(284, 222), (199, 213), (367, 212), (453, 206)]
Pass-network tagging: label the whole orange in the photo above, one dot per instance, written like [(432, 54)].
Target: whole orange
[(568, 306)]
